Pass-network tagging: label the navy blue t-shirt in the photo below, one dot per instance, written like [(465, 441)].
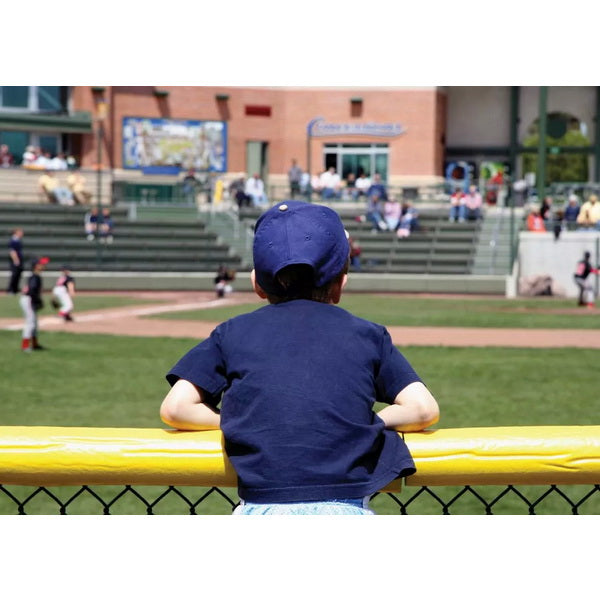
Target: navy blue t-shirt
[(297, 382)]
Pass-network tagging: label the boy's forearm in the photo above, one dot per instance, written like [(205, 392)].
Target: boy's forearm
[(183, 408), (414, 409), (406, 418), (193, 417)]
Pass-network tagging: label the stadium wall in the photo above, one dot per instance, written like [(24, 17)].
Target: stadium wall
[(541, 254), (357, 282)]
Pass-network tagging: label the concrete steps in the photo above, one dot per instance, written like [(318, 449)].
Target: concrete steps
[(492, 255)]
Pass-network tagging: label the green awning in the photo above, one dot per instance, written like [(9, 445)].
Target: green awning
[(79, 122)]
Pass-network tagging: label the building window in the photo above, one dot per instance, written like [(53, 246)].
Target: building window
[(15, 96), (252, 110), (33, 98)]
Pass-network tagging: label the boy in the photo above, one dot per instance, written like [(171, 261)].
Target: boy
[(31, 301), (299, 377)]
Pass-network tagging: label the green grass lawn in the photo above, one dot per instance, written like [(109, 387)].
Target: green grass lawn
[(10, 309), (438, 312), (112, 381)]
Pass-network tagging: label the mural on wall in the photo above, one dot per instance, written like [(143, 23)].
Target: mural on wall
[(159, 144)]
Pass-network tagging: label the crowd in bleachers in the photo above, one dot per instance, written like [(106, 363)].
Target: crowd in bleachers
[(571, 217), (37, 158)]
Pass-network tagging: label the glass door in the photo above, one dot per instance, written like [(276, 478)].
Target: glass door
[(357, 159)]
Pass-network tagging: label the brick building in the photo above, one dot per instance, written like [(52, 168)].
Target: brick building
[(409, 135)]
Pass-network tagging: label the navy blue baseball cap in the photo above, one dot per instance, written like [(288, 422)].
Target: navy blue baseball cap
[(296, 232)]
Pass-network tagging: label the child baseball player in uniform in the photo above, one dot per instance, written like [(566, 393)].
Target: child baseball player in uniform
[(63, 292), (296, 380), (31, 302)]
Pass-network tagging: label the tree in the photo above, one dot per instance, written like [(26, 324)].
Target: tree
[(560, 166)]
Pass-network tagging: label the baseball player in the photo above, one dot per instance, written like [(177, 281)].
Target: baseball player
[(297, 379), (31, 302), (222, 279), (582, 271), (63, 293)]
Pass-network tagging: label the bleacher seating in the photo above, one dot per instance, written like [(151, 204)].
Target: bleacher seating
[(187, 245), (148, 245)]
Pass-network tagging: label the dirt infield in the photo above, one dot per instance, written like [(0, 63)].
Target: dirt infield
[(132, 320)]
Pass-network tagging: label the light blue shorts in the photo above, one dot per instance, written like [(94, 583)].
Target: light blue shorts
[(348, 506)]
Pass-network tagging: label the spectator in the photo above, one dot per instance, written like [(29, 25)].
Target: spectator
[(294, 177), (546, 210), (29, 156), (305, 185), (58, 163), (189, 185), (589, 215), (473, 203), (106, 227), (242, 199), (377, 187), (535, 222), (15, 260), (330, 184), (76, 183), (392, 211), (520, 189), (355, 252), (222, 279), (572, 212), (255, 188), (53, 191), (586, 291), (408, 221), (315, 183), (43, 161), (236, 191), (90, 223), (350, 190), (363, 183), (458, 208), (375, 212), (6, 158), (493, 186)]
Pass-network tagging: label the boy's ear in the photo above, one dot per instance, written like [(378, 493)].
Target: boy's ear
[(259, 291), (338, 286)]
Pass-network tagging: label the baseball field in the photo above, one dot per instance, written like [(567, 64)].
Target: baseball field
[(488, 362)]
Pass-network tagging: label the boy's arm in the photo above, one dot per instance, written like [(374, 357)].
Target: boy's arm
[(183, 408), (414, 409)]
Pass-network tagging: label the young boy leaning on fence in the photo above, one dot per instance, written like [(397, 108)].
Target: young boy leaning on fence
[(297, 380)]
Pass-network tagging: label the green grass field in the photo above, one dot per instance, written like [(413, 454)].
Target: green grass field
[(112, 381), (439, 312)]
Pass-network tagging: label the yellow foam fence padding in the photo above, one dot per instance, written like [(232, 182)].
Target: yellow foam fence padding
[(48, 456)]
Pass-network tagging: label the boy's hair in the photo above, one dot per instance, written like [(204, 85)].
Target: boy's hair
[(297, 283)]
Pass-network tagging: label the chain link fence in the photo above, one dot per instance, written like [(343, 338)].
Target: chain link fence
[(424, 500)]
